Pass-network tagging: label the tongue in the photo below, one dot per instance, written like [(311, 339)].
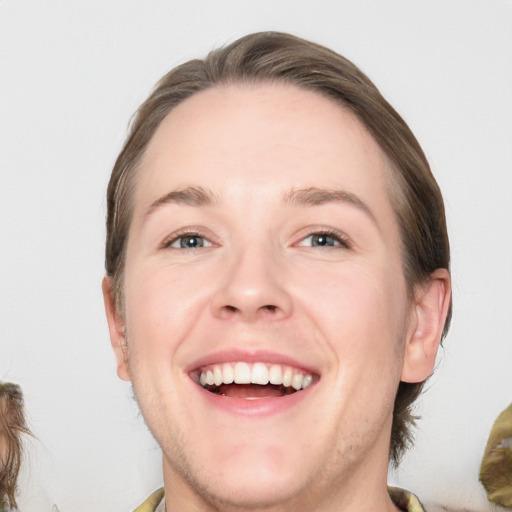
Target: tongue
[(250, 391)]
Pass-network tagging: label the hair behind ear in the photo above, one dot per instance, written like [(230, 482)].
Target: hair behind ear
[(431, 312)]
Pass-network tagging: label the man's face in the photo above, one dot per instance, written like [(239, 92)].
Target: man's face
[(264, 249)]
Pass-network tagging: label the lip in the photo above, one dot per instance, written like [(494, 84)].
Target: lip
[(259, 407), (256, 356), (242, 406)]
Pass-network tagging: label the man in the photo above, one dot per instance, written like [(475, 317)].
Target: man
[(277, 280)]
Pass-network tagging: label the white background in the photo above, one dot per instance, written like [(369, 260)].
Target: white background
[(71, 75)]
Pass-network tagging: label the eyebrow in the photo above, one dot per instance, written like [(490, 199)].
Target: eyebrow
[(189, 196), (313, 196)]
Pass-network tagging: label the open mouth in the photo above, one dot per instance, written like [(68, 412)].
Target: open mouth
[(253, 381)]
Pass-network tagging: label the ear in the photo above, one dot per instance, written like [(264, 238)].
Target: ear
[(429, 312), (116, 327)]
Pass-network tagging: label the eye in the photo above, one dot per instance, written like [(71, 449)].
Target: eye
[(325, 240), (188, 241)]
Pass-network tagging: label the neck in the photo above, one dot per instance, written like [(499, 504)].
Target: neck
[(362, 489)]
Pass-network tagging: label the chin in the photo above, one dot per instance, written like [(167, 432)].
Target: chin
[(252, 478), (254, 489)]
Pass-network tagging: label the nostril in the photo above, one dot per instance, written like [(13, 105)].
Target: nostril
[(230, 311)]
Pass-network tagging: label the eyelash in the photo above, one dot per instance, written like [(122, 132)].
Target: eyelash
[(187, 233), (340, 238)]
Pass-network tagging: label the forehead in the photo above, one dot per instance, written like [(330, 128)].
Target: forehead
[(250, 136)]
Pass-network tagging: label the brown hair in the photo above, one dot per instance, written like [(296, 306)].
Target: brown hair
[(283, 58), (12, 425)]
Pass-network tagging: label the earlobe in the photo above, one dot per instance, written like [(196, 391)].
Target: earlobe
[(430, 310), (116, 329)]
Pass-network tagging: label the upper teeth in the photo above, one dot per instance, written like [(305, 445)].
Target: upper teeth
[(254, 373)]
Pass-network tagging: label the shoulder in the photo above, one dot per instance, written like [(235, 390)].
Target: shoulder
[(405, 500)]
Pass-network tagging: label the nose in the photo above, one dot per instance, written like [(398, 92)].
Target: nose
[(252, 287)]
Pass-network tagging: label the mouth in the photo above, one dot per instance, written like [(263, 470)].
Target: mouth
[(253, 381)]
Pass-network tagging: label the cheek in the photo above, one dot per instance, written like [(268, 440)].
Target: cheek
[(161, 308), (359, 310)]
